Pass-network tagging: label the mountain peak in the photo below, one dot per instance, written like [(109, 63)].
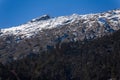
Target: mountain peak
[(43, 17)]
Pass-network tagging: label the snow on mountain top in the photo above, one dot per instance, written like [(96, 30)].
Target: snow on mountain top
[(37, 25), (46, 22)]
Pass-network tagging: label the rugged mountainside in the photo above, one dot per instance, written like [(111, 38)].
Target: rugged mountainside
[(98, 59), (44, 33)]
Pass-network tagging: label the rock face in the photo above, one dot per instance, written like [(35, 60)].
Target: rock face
[(45, 32)]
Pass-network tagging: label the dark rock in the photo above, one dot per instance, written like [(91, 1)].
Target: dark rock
[(44, 17)]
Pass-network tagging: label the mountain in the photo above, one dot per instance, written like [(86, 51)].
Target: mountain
[(98, 59), (43, 33)]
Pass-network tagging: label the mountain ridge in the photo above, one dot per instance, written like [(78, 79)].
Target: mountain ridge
[(44, 33), (54, 22)]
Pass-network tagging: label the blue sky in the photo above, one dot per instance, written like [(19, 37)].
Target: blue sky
[(16, 12)]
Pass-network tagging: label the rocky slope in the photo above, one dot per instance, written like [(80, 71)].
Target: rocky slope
[(98, 59), (44, 33)]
